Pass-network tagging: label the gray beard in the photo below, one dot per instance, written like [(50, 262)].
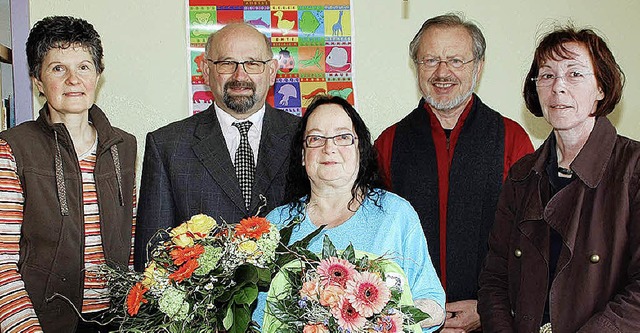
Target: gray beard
[(239, 104), (456, 101)]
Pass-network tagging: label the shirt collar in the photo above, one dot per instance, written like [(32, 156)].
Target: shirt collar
[(226, 120)]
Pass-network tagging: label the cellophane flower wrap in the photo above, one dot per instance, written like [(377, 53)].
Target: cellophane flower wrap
[(341, 292), (204, 278)]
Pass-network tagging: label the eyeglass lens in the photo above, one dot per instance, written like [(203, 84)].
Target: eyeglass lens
[(229, 67), (545, 80), (315, 141)]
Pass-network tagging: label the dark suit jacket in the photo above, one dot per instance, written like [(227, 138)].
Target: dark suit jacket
[(187, 170)]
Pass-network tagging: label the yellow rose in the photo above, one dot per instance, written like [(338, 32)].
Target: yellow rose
[(179, 230), (149, 280), (248, 246), (183, 240), (201, 225)]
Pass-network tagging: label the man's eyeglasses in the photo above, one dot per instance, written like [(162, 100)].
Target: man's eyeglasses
[(572, 78), (230, 67), (317, 141), (451, 63)]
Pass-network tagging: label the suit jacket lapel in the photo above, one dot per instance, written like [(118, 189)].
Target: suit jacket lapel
[(211, 150), (274, 150)]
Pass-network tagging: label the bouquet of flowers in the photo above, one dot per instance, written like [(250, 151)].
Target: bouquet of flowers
[(341, 292), (203, 279)]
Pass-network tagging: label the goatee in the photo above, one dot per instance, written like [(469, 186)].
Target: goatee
[(239, 104), (457, 100)]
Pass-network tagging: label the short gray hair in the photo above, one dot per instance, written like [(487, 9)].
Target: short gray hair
[(451, 20)]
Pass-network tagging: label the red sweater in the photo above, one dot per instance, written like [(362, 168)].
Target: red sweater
[(516, 145)]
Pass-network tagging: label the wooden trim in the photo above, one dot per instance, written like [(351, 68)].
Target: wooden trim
[(5, 54)]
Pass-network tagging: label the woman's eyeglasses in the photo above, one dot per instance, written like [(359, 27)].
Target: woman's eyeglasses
[(317, 141), (572, 78)]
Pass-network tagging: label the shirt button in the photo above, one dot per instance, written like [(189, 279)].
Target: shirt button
[(594, 258), (517, 253)]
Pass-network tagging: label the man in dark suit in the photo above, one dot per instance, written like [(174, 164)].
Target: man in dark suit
[(218, 162)]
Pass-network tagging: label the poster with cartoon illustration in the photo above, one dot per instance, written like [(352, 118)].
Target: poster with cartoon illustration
[(311, 39)]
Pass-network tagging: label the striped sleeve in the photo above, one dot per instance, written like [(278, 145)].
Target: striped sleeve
[(16, 311)]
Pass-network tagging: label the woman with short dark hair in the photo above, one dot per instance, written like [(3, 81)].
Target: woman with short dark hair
[(564, 253), (67, 184)]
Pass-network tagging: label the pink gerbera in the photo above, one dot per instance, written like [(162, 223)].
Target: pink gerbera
[(335, 271), (347, 316), (368, 293), (389, 324)]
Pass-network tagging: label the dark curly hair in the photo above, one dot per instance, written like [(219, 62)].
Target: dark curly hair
[(298, 184), (61, 32), (607, 72)]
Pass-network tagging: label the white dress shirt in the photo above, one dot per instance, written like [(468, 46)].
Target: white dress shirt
[(232, 135)]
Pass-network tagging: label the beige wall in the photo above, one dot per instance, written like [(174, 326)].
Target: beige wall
[(144, 85)]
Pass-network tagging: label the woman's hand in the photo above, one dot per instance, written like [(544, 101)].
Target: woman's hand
[(431, 308)]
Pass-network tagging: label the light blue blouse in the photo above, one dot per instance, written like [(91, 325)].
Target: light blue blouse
[(393, 229)]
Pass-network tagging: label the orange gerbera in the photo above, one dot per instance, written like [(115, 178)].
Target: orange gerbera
[(135, 298), (185, 271), (181, 255), (253, 227)]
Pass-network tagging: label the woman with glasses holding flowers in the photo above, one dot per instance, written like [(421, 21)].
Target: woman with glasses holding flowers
[(564, 253), (333, 183)]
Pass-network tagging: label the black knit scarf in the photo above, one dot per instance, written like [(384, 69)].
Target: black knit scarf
[(475, 180)]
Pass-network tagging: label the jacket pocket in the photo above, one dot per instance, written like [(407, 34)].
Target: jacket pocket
[(37, 281)]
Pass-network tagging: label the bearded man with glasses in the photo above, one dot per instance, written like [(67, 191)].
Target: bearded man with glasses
[(449, 158), (218, 162)]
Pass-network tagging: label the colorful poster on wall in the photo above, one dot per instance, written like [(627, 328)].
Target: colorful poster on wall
[(311, 39)]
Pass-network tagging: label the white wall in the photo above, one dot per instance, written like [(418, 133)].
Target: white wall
[(6, 78), (5, 29), (145, 82)]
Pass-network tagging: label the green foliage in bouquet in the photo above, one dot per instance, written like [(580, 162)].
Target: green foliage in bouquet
[(347, 291), (204, 279)]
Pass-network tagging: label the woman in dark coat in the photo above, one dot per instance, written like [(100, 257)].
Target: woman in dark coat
[(564, 254)]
